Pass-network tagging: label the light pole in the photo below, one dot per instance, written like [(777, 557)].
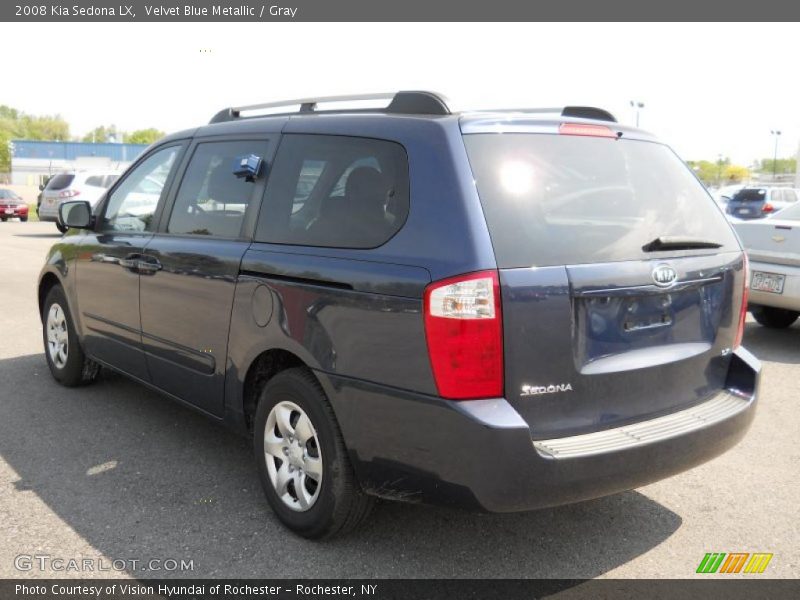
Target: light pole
[(637, 106), (776, 133), (719, 169)]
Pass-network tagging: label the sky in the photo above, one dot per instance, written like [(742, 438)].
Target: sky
[(708, 89)]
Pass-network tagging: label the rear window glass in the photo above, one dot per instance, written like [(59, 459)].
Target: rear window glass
[(60, 181), (559, 199), (750, 195), (335, 191)]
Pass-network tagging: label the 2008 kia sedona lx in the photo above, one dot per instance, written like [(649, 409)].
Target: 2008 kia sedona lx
[(495, 310)]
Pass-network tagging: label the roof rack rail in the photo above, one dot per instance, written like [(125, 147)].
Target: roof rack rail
[(406, 102), (588, 112)]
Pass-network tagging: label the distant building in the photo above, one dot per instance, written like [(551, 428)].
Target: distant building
[(33, 161)]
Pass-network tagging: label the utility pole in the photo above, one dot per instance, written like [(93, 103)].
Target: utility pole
[(637, 106), (776, 133)]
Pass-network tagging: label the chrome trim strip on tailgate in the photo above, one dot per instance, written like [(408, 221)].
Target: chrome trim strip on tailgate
[(722, 406)]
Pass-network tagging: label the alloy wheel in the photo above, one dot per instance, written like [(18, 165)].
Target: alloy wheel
[(57, 335), (293, 455)]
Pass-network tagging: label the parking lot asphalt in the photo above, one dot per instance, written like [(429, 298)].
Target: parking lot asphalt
[(116, 472)]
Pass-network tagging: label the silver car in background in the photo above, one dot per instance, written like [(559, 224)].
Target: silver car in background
[(773, 247), (87, 185)]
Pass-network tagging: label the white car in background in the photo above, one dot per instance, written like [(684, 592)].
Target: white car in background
[(87, 185), (773, 247)]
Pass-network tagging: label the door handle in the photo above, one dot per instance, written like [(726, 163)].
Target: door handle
[(140, 263)]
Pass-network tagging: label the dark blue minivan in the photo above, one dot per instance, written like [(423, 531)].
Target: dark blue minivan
[(493, 310)]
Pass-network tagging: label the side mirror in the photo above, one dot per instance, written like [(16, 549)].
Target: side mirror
[(725, 199), (41, 187), (76, 214)]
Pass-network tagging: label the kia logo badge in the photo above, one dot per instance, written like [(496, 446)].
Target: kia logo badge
[(664, 275)]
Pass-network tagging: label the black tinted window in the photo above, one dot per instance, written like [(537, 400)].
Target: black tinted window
[(211, 199), (335, 191), (561, 199), (60, 181), (95, 180), (750, 195)]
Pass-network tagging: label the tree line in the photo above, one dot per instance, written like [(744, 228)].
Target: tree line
[(723, 172), (18, 125)]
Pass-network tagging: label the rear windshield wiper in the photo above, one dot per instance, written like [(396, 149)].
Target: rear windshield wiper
[(676, 242)]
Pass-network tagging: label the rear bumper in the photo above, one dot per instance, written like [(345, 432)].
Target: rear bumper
[(479, 454), (790, 298), (16, 214), (48, 212)]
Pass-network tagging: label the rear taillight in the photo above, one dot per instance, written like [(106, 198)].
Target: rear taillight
[(767, 208), (586, 129), (743, 309), (68, 194), (464, 330)]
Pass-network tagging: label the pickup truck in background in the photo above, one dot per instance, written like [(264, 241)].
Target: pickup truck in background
[(773, 247)]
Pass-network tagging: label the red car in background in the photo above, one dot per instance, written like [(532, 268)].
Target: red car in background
[(12, 206)]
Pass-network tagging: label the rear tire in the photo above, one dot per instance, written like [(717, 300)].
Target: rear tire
[(23, 219), (295, 420), (61, 228), (774, 318), (68, 364)]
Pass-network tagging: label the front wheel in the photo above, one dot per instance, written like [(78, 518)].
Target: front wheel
[(302, 460), (68, 364), (23, 219), (774, 318)]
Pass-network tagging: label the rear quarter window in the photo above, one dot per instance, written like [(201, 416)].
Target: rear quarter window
[(335, 191), (561, 199)]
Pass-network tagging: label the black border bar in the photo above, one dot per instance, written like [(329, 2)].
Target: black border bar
[(731, 588), (395, 10)]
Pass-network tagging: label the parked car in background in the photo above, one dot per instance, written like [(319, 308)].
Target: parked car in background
[(723, 195), (759, 202), (354, 292), (41, 192), (773, 246), (86, 185), (12, 206)]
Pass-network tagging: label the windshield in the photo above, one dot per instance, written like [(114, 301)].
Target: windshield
[(560, 199), (750, 195)]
